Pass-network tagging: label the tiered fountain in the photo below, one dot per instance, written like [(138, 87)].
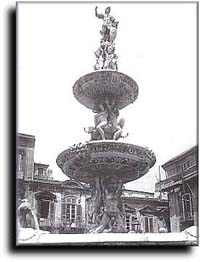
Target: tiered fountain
[(103, 162)]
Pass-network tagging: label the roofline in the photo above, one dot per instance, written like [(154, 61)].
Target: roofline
[(24, 140), (176, 158), (40, 164), (25, 135), (137, 191), (145, 199), (53, 182), (179, 181)]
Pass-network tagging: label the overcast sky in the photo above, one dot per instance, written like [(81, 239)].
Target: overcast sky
[(156, 45)]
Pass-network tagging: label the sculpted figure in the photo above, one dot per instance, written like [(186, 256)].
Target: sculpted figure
[(113, 29), (119, 129), (106, 222), (113, 114), (93, 132), (111, 61), (97, 201), (100, 59), (26, 217), (106, 58), (109, 28), (105, 55), (106, 124), (100, 120), (110, 210)]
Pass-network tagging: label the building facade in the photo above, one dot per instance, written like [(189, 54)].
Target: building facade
[(65, 206), (181, 184), (145, 212)]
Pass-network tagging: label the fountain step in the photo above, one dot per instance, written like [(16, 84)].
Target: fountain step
[(139, 239)]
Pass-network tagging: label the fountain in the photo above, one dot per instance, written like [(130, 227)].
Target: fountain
[(103, 162)]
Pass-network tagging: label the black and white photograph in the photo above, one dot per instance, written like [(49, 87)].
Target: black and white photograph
[(107, 149)]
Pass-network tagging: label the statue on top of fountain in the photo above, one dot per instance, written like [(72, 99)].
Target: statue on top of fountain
[(105, 54), (106, 124), (109, 28)]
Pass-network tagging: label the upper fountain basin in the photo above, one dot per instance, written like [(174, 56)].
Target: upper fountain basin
[(94, 87)]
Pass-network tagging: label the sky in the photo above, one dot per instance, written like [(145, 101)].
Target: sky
[(156, 45)]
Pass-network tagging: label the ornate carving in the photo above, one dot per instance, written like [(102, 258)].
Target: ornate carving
[(101, 158)]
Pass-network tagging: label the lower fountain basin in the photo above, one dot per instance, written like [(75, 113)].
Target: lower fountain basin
[(124, 161)]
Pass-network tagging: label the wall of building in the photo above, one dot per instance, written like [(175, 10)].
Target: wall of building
[(25, 156), (149, 210), (181, 185), (181, 162), (193, 185)]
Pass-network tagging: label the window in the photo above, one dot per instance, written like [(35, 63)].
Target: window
[(40, 171), (187, 206), (63, 211), (69, 209), (184, 166), (69, 212), (71, 200), (20, 161), (44, 211), (189, 163), (79, 215), (52, 188), (52, 210), (148, 224)]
